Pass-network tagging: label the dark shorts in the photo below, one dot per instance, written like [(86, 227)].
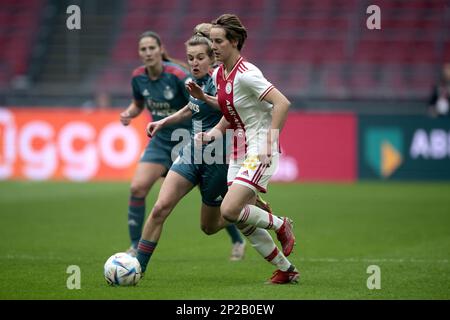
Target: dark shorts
[(160, 151), (211, 178)]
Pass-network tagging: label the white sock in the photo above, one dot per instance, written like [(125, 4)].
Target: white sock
[(255, 216), (264, 245)]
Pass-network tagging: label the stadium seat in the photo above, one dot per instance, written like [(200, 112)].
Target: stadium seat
[(299, 33)]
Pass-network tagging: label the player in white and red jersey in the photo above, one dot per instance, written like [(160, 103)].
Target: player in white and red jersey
[(256, 111)]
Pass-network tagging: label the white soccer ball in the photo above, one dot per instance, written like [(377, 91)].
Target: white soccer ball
[(121, 269)]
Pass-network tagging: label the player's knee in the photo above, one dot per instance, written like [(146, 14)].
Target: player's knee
[(138, 190), (229, 212), (161, 211), (208, 230)]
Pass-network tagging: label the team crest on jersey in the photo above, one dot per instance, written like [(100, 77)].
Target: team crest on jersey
[(145, 93), (228, 88), (168, 93)]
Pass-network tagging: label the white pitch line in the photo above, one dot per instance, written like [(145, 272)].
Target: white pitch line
[(375, 260), (329, 260), (28, 257)]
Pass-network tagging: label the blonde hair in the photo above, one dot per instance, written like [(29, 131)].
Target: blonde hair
[(203, 29), (201, 36)]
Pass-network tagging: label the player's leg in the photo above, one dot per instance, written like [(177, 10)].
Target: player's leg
[(172, 190), (211, 221), (247, 180), (263, 243), (238, 243), (154, 163), (213, 187), (145, 176)]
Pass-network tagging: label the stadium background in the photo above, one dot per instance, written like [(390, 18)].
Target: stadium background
[(358, 120)]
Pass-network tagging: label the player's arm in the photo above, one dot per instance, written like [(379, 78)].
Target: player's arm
[(134, 109), (219, 130), (179, 116), (280, 110), (197, 92)]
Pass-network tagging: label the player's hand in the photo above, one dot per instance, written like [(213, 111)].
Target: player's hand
[(266, 158), (265, 155), (125, 118), (154, 127), (202, 138), (195, 91)]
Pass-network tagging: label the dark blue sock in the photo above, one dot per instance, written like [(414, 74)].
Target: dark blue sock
[(234, 233), (144, 252), (136, 215)]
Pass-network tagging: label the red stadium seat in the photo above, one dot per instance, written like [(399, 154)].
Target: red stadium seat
[(317, 34)]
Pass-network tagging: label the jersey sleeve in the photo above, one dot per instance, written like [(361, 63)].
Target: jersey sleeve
[(256, 83), (136, 92)]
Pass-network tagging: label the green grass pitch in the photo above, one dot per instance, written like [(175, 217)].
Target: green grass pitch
[(342, 229)]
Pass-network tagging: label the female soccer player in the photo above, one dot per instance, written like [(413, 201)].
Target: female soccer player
[(256, 111), (160, 86), (193, 167)]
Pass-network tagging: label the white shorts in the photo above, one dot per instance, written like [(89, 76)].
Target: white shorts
[(252, 173)]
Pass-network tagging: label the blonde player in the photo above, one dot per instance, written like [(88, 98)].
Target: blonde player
[(256, 111)]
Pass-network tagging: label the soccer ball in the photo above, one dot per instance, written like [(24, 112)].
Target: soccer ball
[(121, 269)]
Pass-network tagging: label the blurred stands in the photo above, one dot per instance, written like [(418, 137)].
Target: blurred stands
[(17, 20), (312, 50)]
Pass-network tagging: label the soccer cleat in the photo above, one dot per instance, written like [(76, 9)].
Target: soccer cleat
[(132, 251), (283, 277), (237, 251), (262, 204), (286, 236)]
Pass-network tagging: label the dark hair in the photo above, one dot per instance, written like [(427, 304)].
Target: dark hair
[(234, 29), (151, 34), (165, 55)]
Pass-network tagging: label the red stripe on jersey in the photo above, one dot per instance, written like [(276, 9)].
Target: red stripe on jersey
[(240, 69), (138, 71), (261, 97), (238, 62), (177, 71), (225, 99)]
